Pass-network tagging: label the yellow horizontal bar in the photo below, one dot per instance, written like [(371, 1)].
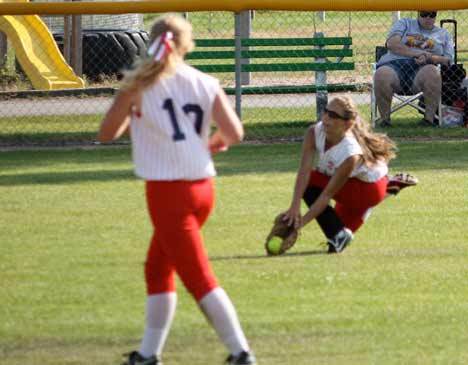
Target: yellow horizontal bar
[(161, 6)]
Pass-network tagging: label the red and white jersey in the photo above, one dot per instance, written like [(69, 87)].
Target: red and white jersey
[(332, 158), (170, 139)]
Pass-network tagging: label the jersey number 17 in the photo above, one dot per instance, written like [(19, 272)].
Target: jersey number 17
[(194, 109)]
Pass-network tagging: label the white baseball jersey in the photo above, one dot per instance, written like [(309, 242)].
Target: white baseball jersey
[(170, 140), (332, 158)]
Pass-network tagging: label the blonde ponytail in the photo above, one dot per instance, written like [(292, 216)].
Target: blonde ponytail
[(171, 31), (375, 146)]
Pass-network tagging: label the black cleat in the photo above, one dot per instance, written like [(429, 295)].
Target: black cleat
[(134, 358), (244, 358), (342, 239)]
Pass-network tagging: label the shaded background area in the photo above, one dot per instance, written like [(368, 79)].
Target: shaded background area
[(46, 118)]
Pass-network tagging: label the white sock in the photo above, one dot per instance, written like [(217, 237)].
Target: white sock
[(160, 309), (367, 214), (222, 315)]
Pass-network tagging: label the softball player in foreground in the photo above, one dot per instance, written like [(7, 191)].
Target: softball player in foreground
[(168, 107)]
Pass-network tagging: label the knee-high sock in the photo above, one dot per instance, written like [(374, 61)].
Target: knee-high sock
[(328, 220), (222, 315), (160, 309)]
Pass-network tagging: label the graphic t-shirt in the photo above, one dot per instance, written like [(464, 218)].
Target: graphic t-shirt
[(436, 40)]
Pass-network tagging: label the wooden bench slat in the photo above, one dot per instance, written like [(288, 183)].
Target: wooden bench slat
[(210, 55), (298, 53), (295, 53), (274, 67), (325, 41), (216, 68), (297, 89), (246, 42), (228, 42), (285, 67)]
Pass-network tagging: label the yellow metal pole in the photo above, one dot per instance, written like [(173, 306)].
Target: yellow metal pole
[(156, 6)]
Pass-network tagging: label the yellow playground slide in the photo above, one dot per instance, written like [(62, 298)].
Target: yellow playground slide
[(38, 54)]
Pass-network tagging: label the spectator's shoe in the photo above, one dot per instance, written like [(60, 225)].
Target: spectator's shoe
[(244, 358), (400, 181), (426, 123), (342, 239), (386, 123), (134, 358)]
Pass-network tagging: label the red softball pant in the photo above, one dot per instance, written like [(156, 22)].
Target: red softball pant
[(178, 210), (354, 199)]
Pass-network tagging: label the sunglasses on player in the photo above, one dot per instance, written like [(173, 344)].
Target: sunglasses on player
[(428, 14), (334, 115)]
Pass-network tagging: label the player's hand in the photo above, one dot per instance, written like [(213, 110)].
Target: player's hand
[(293, 217), (217, 146), (216, 143)]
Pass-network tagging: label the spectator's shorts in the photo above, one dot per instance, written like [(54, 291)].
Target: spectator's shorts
[(406, 69)]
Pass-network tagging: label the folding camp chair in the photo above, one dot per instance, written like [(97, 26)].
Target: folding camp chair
[(404, 99)]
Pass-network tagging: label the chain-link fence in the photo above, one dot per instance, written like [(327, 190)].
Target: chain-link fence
[(55, 89)]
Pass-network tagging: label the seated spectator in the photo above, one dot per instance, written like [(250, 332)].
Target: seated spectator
[(415, 47)]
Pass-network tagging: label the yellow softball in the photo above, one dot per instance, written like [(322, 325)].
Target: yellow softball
[(274, 245)]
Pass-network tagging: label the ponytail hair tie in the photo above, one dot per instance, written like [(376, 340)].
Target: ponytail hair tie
[(161, 46)]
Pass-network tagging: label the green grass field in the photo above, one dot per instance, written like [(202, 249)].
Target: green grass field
[(74, 231)]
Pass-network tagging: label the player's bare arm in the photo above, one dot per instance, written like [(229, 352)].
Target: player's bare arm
[(338, 180), (230, 130), (293, 214), (117, 119)]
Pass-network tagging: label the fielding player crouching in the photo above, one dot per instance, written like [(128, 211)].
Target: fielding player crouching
[(351, 170)]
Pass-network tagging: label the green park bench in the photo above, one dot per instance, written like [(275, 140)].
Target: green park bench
[(249, 55)]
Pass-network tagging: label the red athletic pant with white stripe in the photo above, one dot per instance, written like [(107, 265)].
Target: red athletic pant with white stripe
[(178, 210), (354, 199)]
